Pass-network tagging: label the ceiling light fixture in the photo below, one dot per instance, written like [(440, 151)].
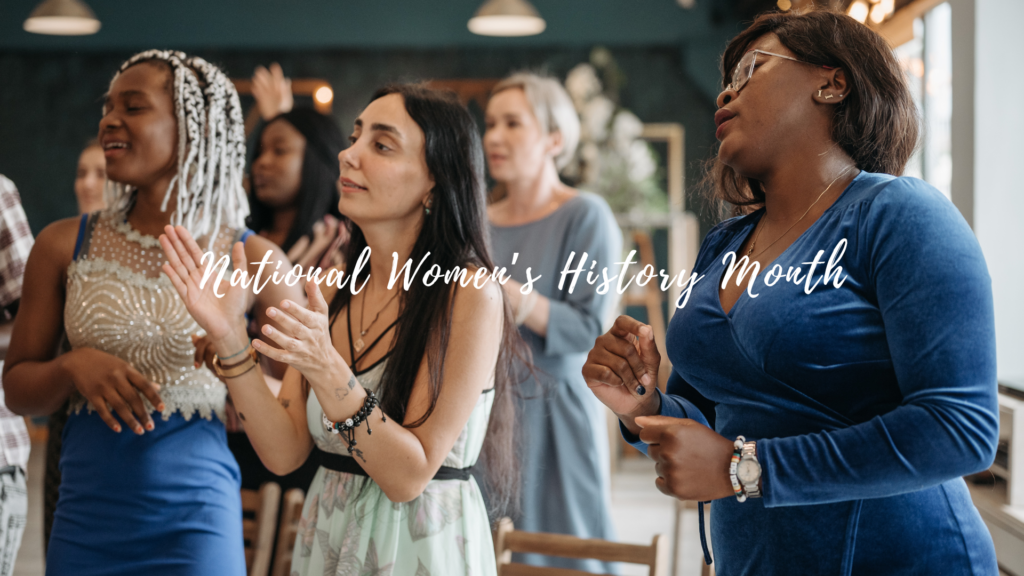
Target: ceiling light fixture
[(62, 18), (506, 18)]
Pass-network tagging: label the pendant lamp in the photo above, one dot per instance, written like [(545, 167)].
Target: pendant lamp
[(62, 18), (506, 18)]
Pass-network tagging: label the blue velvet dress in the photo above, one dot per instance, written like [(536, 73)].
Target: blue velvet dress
[(868, 401)]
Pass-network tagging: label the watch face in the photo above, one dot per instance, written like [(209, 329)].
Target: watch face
[(748, 471)]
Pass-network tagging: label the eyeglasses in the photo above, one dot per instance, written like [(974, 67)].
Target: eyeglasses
[(745, 68)]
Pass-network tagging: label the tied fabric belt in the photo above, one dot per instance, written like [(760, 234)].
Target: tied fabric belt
[(348, 464)]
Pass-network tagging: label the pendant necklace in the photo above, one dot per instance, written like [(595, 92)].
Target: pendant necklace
[(358, 344), (759, 227)]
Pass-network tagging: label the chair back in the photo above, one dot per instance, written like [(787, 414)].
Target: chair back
[(508, 540), (259, 519), (291, 512)]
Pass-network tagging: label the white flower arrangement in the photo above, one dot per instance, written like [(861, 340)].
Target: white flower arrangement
[(612, 159)]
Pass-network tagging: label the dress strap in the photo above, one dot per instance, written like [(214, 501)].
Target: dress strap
[(242, 235), (85, 228)]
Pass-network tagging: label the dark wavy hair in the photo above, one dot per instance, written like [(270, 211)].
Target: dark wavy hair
[(318, 192), (877, 124), (455, 234)]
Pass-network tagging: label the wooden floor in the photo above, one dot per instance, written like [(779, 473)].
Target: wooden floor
[(639, 512)]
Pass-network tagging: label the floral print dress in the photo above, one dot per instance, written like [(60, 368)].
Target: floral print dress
[(350, 528)]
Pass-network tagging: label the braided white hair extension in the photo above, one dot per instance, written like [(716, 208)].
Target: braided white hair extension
[(211, 148)]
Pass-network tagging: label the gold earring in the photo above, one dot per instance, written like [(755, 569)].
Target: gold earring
[(829, 96), (819, 93)]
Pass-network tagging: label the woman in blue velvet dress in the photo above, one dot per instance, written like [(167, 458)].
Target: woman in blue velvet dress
[(148, 483), (864, 389)]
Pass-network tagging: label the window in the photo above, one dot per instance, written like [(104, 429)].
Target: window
[(927, 61)]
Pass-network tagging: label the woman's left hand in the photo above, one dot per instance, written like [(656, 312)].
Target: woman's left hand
[(692, 460), (304, 338)]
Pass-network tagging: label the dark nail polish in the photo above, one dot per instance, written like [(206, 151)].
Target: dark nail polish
[(640, 389)]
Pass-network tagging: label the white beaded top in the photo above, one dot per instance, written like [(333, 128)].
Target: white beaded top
[(119, 301)]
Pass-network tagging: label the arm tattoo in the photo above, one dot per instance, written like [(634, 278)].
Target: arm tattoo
[(357, 453), (285, 402), (352, 382), (340, 393)]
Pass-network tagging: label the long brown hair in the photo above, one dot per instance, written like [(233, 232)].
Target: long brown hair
[(455, 235), (877, 124)]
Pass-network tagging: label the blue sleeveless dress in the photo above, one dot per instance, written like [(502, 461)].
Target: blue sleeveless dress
[(166, 502)]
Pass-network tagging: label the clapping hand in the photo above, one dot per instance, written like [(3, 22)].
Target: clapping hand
[(304, 338), (219, 316), (691, 460), (623, 363)]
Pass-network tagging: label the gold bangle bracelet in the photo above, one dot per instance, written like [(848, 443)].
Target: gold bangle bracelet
[(252, 359)]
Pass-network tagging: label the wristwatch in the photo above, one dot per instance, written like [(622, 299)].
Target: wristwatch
[(748, 471)]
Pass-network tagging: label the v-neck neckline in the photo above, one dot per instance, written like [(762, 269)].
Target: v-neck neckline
[(742, 237)]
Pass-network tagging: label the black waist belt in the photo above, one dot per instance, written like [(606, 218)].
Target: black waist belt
[(348, 464)]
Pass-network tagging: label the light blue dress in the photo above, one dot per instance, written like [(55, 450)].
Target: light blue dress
[(564, 456)]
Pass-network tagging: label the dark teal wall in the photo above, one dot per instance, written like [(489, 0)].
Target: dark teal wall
[(50, 102)]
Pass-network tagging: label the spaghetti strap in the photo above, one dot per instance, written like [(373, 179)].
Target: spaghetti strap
[(85, 226), (242, 236), (81, 235)]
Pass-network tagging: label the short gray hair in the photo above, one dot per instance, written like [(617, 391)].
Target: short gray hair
[(552, 107)]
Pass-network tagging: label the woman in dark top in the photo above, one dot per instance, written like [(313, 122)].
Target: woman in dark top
[(294, 182), (863, 393), (294, 201)]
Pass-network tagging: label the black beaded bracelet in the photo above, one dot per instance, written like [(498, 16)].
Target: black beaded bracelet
[(347, 429)]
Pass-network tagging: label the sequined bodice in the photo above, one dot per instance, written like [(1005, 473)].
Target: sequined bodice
[(120, 302)]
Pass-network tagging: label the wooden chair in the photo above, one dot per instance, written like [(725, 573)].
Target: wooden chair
[(259, 519), (508, 540), (291, 512)]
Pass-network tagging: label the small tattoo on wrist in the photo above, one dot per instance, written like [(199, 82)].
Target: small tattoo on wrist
[(340, 393), (357, 453), (352, 382), (285, 402)]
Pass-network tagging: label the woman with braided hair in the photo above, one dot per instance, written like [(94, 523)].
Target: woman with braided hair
[(161, 497)]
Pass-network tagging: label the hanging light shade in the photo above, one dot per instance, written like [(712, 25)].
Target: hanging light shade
[(62, 18), (506, 18)]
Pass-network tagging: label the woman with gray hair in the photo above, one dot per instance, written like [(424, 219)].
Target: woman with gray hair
[(537, 223)]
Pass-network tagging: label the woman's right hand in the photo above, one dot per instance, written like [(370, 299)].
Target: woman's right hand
[(623, 359), (107, 381), (221, 315)]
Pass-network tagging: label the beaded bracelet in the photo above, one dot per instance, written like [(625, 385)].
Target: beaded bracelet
[(347, 429)]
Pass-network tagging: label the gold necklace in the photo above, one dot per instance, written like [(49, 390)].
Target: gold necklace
[(358, 344), (758, 232)]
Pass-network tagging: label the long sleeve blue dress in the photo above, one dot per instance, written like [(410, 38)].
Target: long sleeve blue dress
[(564, 444), (868, 401)]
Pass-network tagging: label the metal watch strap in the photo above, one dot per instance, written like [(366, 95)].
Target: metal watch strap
[(750, 452)]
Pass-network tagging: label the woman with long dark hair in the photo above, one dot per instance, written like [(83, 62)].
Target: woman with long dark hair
[(294, 182), (830, 399), (402, 389)]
